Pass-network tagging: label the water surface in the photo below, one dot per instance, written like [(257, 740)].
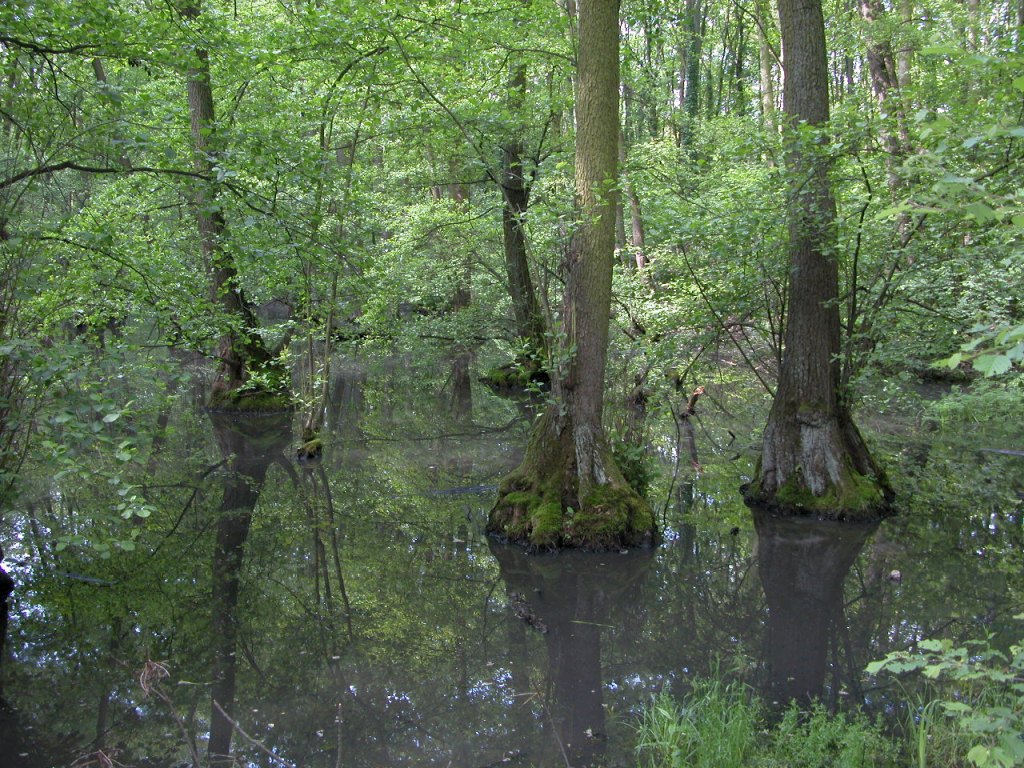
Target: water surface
[(350, 611)]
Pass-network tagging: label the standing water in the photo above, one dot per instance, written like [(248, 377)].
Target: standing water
[(203, 597)]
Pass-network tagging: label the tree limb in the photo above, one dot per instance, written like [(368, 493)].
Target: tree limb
[(71, 165)]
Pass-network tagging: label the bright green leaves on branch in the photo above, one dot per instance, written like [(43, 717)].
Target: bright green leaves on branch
[(980, 691)]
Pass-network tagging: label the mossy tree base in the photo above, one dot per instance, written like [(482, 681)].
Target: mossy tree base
[(516, 376), (248, 401), (541, 503), (815, 462)]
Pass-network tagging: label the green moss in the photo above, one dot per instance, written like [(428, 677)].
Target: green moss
[(249, 401), (546, 521), (515, 376), (311, 450), (859, 497), (524, 498), (613, 516)]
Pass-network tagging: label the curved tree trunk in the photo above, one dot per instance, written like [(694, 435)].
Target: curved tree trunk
[(240, 350), (516, 194), (568, 490), (814, 459)]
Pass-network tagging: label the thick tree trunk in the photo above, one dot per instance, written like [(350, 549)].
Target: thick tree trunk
[(569, 491), (814, 459)]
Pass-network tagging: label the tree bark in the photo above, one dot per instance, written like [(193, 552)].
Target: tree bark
[(762, 17), (516, 199), (240, 350), (814, 459), (568, 490), (694, 30)]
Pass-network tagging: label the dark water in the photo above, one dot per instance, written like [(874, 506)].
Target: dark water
[(350, 611)]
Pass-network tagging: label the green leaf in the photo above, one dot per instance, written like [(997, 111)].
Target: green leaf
[(953, 707), (876, 666), (992, 364), (941, 49), (981, 212), (111, 417), (979, 755)]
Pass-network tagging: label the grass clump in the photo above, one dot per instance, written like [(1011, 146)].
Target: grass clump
[(716, 727), (725, 725)]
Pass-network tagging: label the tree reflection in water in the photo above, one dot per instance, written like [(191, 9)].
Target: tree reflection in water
[(572, 597), (248, 446), (803, 563)]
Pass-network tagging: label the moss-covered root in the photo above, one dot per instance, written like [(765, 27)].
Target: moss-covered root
[(516, 376), (611, 517), (539, 505), (248, 401), (311, 450), (857, 497)]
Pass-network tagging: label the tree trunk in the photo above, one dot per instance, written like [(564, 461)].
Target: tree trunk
[(568, 490), (516, 199), (765, 56), (885, 87), (240, 350), (636, 241), (694, 27), (814, 459)]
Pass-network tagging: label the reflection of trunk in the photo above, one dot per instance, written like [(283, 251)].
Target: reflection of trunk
[(462, 389), (802, 563), (574, 596), (249, 446), (6, 587), (23, 746)]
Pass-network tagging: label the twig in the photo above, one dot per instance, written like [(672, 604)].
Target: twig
[(149, 678), (252, 742), (338, 722)]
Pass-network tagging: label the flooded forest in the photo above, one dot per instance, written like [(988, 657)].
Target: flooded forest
[(531, 383)]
